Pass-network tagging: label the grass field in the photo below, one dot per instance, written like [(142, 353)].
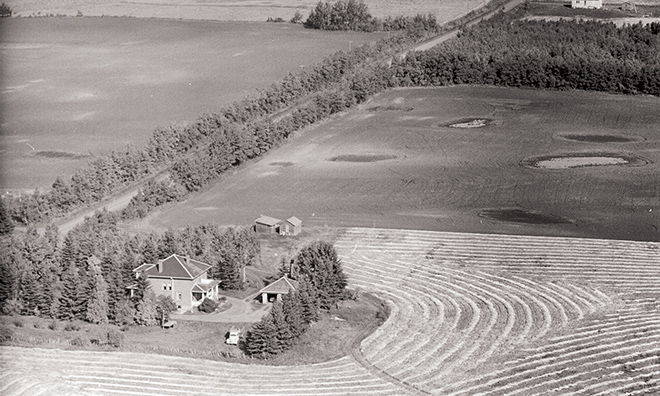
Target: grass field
[(73, 88), (397, 162)]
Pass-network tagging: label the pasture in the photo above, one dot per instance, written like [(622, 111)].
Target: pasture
[(73, 88), (463, 158), (470, 314)]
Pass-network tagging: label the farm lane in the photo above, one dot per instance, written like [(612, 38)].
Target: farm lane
[(241, 311)]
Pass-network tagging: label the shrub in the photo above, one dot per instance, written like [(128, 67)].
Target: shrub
[(18, 323), (54, 325), (6, 333), (208, 306), (80, 341), (5, 10), (297, 17), (71, 326), (115, 338)]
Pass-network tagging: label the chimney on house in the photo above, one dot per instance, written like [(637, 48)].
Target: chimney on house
[(159, 265), (187, 259)]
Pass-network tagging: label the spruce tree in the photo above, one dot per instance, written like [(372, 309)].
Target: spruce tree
[(284, 335), (6, 225), (293, 312), (319, 263), (261, 341), (308, 301), (97, 304)]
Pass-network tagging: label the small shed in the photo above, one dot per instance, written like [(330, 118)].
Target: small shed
[(586, 3), (291, 226), (277, 289), (267, 225)]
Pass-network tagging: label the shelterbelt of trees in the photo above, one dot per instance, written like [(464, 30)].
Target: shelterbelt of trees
[(43, 276)]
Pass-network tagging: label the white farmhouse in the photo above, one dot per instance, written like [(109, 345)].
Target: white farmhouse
[(586, 3)]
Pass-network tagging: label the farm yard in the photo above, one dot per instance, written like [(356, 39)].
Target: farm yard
[(75, 88), (470, 314), (411, 158)]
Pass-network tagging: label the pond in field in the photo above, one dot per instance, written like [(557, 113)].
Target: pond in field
[(582, 160), (600, 138), (362, 158), (522, 216)]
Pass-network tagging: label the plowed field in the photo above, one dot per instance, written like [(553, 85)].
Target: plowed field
[(412, 159)]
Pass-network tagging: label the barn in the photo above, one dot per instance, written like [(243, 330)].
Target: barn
[(267, 225), (587, 4)]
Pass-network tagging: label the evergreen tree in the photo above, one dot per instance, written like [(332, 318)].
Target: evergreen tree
[(318, 262), (71, 301), (97, 304), (284, 335), (308, 301), (6, 225), (293, 312), (146, 312), (261, 340)]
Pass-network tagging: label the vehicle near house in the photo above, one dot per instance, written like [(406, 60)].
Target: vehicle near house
[(234, 336)]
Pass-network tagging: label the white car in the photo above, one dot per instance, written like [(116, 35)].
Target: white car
[(234, 336)]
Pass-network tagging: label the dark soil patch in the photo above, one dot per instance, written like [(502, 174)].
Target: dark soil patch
[(281, 163), (389, 108), (522, 216), (597, 138), (362, 157), (59, 155)]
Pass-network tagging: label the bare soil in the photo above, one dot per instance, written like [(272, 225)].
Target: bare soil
[(444, 177)]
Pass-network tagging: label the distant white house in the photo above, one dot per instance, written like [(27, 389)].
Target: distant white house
[(586, 3)]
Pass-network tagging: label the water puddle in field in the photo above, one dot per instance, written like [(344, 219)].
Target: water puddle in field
[(599, 138), (282, 164), (59, 154), (469, 123), (581, 160), (362, 157), (522, 216), (389, 108)]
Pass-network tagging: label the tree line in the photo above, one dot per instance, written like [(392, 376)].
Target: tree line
[(354, 15), (85, 276), (321, 284)]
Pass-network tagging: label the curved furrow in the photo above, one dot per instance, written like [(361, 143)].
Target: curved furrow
[(107, 373), (519, 374)]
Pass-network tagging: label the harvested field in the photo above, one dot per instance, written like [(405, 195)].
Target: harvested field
[(73, 88), (470, 314), (233, 10), (443, 177)]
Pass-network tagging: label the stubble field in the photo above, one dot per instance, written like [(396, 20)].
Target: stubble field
[(73, 88), (397, 162), (233, 10)]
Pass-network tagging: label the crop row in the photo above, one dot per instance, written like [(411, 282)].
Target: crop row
[(510, 315), (109, 373)]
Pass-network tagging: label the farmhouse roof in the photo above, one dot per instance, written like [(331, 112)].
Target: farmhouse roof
[(281, 286), (267, 220), (294, 221), (204, 287), (175, 266)]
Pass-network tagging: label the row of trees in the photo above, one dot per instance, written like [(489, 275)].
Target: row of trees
[(354, 15), (85, 276), (322, 284), (585, 55)]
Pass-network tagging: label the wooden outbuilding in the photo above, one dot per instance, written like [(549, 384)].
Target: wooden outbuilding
[(277, 289), (586, 3), (291, 226), (267, 225)]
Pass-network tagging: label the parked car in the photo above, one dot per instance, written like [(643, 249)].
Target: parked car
[(234, 336)]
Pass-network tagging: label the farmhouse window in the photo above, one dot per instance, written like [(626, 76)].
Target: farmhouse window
[(179, 296)]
